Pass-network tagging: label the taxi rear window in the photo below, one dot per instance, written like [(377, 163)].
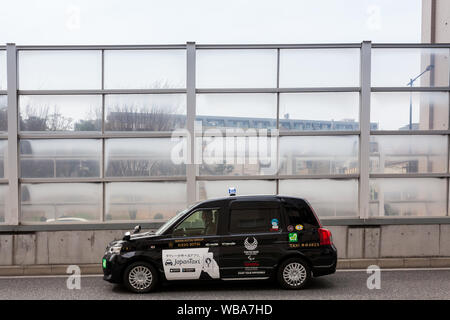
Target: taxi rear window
[(299, 212)]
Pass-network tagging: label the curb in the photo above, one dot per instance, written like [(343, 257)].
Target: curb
[(47, 270), (394, 263), (96, 269)]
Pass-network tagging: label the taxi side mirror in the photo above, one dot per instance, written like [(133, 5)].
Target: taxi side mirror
[(137, 229)]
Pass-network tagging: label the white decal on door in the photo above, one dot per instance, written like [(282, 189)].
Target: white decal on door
[(186, 264), (251, 244)]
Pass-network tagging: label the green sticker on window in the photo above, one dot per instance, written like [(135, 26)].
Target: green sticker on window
[(293, 237), (104, 263)]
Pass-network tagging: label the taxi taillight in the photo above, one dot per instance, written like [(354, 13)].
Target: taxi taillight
[(325, 237)]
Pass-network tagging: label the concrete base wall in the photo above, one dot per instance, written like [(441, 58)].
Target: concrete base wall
[(392, 241), (390, 245), (55, 247)]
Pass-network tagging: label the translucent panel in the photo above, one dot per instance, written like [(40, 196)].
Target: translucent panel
[(218, 189), (329, 198), (396, 67), (145, 112), (237, 110), (3, 197), (60, 113), (3, 157), (236, 68), (144, 157), (408, 154), (3, 76), (236, 156), (408, 197), (145, 69), (319, 111), (392, 110), (61, 202), (149, 201), (3, 113), (319, 68), (319, 155), (60, 69), (74, 158)]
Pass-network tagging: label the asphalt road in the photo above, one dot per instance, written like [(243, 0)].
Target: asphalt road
[(348, 285)]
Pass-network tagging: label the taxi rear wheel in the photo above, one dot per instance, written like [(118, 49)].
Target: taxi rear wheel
[(294, 274), (140, 277)]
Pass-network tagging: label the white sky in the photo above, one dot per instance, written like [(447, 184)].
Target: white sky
[(208, 21)]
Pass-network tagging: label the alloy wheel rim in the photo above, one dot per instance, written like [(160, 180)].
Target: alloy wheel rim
[(140, 277), (294, 274)]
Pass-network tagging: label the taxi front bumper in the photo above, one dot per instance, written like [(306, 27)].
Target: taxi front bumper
[(112, 268)]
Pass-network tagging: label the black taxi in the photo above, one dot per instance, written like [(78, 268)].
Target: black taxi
[(233, 238)]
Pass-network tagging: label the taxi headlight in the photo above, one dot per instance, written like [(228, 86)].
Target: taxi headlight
[(115, 249)]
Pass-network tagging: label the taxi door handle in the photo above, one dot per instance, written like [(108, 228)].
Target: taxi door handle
[(214, 244), (228, 243)]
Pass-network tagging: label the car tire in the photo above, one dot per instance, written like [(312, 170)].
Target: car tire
[(140, 277), (293, 274)]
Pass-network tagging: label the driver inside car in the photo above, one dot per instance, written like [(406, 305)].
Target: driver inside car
[(210, 225)]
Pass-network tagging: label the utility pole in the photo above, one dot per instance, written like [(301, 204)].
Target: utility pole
[(410, 83)]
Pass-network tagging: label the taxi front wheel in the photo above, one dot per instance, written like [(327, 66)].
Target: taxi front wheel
[(140, 277), (294, 274)]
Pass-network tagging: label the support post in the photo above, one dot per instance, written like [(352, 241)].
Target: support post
[(190, 122), (12, 163), (364, 123)]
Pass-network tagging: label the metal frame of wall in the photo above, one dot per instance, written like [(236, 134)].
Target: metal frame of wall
[(12, 213)]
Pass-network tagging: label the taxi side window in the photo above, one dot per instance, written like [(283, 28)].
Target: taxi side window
[(199, 223), (258, 220)]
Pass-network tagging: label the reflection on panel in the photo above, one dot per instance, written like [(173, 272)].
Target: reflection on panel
[(319, 68), (408, 154), (319, 111), (74, 158), (3, 77), (218, 189), (237, 156), (408, 197), (319, 155), (3, 113), (60, 113), (149, 201), (3, 157), (144, 157), (145, 69), (329, 198), (60, 69), (3, 196), (409, 110), (61, 202), (145, 112), (396, 67), (245, 110), (236, 68)]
